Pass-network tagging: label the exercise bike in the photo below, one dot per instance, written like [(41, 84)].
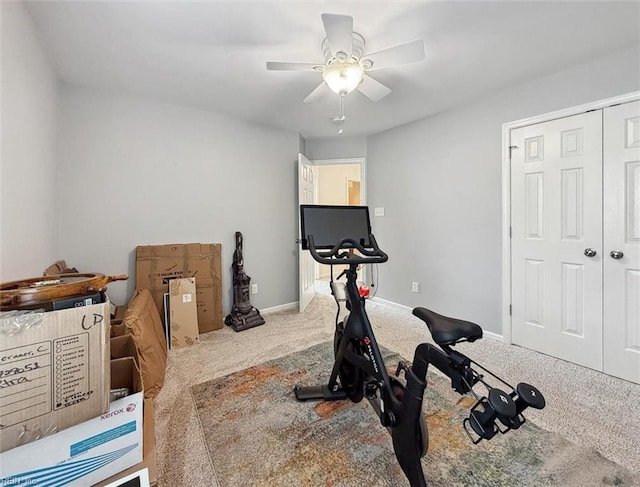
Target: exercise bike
[(341, 235)]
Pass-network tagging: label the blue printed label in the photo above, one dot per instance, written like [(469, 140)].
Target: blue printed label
[(102, 438)]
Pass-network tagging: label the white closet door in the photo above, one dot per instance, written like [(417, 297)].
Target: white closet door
[(622, 240), (556, 197)]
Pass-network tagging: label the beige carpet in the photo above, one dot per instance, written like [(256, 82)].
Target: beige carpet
[(585, 407)]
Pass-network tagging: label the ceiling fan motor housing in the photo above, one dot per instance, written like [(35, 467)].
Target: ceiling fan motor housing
[(357, 51)]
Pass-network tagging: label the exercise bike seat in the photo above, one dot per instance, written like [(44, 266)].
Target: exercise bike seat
[(448, 331)]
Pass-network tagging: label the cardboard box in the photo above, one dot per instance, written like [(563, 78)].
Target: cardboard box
[(117, 315), (156, 265), (148, 450), (124, 346), (142, 322), (184, 316), (54, 374), (90, 451)]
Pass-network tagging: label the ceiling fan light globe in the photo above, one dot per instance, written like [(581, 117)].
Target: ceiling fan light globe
[(343, 78)]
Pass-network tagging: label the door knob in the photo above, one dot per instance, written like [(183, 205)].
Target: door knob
[(616, 254), (590, 252)]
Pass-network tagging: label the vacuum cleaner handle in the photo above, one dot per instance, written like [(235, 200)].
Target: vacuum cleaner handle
[(338, 255)]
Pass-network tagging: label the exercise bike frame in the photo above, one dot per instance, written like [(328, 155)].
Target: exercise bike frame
[(401, 412)]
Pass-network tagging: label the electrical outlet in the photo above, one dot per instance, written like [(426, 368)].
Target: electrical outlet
[(415, 287), (254, 289)]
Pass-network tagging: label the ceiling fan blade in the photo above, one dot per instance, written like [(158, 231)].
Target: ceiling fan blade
[(339, 29), (372, 89), (317, 93), (409, 52), (278, 66)]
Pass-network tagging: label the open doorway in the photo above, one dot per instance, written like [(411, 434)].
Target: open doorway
[(340, 186), (338, 182)]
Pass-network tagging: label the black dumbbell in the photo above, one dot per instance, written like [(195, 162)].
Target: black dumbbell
[(529, 396), (502, 403), (524, 396)]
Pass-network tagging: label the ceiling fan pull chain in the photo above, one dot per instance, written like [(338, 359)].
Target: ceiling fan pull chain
[(342, 115)]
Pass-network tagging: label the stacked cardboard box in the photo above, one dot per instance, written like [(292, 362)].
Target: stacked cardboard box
[(99, 445), (141, 313), (57, 370), (89, 451), (54, 372), (122, 347), (148, 450), (142, 321), (157, 265)]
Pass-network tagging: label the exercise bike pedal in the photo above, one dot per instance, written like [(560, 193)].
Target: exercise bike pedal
[(318, 393), (371, 390)]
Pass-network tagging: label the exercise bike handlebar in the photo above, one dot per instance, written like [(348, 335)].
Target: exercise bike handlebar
[(338, 255)]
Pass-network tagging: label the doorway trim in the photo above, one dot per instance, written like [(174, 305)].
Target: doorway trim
[(506, 188), (363, 185)]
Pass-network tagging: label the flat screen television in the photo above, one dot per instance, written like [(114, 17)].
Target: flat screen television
[(330, 223)]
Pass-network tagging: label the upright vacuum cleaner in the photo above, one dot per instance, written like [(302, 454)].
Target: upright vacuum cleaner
[(243, 315)]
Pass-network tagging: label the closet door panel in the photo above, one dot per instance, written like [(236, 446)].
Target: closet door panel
[(556, 212), (622, 241)]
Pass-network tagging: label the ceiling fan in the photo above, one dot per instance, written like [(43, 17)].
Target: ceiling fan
[(346, 64)]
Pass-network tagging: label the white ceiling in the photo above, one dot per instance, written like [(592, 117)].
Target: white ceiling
[(212, 55)]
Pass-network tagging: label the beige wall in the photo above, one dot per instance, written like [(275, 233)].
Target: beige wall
[(332, 182), (332, 190)]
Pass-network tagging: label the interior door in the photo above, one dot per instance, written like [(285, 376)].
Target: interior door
[(556, 195), (306, 273), (353, 192), (621, 251)]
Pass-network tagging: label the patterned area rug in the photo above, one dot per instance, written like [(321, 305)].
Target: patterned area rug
[(257, 434)]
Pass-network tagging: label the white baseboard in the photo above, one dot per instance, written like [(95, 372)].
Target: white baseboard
[(402, 307), (384, 302), (280, 307), (492, 336), (391, 304)]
